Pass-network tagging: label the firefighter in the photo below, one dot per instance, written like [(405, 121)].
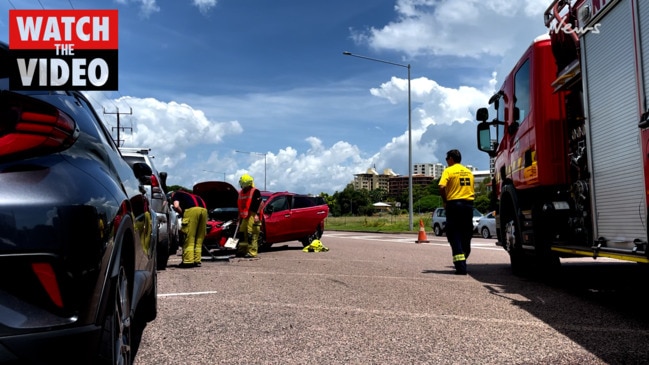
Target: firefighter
[(250, 223), (193, 210), (457, 192)]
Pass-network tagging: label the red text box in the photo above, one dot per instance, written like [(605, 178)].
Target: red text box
[(45, 29)]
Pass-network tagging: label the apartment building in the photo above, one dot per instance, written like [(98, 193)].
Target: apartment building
[(372, 180), (423, 175)]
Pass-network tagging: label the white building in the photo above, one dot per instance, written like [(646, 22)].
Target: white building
[(428, 169), (480, 175)]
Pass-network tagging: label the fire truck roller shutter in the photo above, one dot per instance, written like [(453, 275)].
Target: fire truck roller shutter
[(611, 92)]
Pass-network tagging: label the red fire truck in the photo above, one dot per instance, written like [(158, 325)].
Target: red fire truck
[(570, 138)]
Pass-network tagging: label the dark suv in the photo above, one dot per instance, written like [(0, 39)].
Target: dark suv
[(76, 261), (156, 190)]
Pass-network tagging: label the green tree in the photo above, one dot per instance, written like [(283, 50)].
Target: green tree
[(378, 195), (483, 187), (418, 192), (330, 200), (352, 201), (482, 203), (433, 188), (428, 203), (482, 200)]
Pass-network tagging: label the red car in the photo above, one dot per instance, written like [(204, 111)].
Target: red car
[(286, 216), (292, 217), (221, 200)]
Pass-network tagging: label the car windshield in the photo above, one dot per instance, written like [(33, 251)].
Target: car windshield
[(476, 213)]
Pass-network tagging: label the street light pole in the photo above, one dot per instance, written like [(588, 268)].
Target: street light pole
[(260, 154), (409, 129)]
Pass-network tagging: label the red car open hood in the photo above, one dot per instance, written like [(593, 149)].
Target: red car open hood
[(217, 194)]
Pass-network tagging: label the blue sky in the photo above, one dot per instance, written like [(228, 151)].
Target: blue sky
[(203, 79)]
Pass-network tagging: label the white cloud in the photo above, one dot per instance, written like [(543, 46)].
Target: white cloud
[(147, 7), (436, 105), (319, 169), (469, 28), (204, 6), (168, 128)]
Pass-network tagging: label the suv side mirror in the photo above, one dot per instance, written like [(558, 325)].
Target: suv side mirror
[(142, 171)]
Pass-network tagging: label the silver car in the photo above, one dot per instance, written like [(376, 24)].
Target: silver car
[(156, 186), (438, 221), (487, 225)]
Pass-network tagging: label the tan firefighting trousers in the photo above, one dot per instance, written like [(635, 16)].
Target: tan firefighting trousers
[(250, 244), (194, 227)]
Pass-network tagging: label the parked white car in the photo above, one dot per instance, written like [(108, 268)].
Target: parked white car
[(438, 220), (487, 225)]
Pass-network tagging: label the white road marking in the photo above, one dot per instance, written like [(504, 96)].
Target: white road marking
[(185, 294), (488, 245)]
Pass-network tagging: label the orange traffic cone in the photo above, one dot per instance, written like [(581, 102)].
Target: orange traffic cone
[(422, 233)]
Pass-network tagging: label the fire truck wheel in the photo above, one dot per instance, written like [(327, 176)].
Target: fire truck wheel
[(520, 261)]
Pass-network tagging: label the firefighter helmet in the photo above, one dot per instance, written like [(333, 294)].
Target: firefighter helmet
[(246, 181)]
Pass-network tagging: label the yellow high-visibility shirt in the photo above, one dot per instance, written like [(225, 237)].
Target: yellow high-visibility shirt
[(458, 181)]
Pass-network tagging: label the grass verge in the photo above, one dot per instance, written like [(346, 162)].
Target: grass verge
[(379, 223)]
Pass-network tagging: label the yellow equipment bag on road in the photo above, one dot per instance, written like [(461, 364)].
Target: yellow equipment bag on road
[(315, 246)]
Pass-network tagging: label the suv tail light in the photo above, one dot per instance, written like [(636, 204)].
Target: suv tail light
[(156, 190), (46, 287), (47, 278), (30, 127)]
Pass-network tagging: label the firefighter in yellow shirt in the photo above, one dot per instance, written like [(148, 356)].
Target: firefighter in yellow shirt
[(457, 192)]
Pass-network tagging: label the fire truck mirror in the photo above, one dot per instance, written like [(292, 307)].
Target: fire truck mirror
[(482, 114), (517, 114), (485, 142)]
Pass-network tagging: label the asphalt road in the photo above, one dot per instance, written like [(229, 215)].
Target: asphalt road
[(384, 299)]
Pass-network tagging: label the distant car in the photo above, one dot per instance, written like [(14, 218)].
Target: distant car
[(438, 221), (487, 225), (156, 185), (78, 268)]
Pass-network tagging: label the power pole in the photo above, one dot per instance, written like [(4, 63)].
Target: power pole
[(119, 128)]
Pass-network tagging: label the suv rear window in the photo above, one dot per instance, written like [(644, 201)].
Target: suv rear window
[(133, 159), (302, 202)]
